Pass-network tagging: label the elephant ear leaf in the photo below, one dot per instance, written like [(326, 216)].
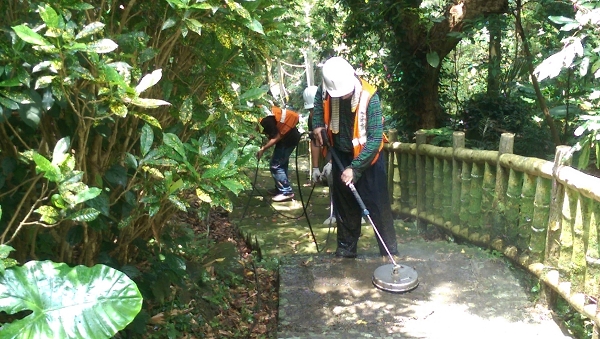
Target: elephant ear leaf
[(67, 302)]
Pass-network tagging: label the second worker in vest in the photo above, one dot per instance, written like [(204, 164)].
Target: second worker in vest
[(349, 109), (281, 129)]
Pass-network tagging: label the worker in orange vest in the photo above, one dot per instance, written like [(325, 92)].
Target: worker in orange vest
[(348, 109), (280, 127)]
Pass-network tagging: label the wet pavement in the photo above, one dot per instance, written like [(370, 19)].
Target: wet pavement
[(463, 292)]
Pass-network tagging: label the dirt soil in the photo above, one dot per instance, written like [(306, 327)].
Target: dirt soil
[(257, 291)]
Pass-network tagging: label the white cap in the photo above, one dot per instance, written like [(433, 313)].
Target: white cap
[(338, 77), (309, 96)]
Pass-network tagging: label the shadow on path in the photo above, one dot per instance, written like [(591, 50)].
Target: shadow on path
[(464, 292)]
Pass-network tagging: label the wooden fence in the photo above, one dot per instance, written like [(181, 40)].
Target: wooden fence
[(543, 215)]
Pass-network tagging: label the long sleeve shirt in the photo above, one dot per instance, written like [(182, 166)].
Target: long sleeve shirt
[(342, 141)]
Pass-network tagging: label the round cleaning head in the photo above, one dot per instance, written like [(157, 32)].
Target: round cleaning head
[(395, 278)]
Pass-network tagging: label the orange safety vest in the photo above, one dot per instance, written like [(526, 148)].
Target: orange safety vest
[(286, 119), (359, 137)]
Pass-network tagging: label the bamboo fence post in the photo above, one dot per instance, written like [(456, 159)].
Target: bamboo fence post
[(569, 211), (421, 139), (498, 224), (512, 202), (476, 193), (406, 176), (392, 137), (539, 226), (552, 250), (593, 253), (438, 182), (578, 259), (412, 184), (556, 202), (525, 231), (465, 199), (487, 200), (592, 250), (458, 141), (429, 182), (447, 193)]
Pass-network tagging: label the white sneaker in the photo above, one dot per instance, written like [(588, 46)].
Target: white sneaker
[(283, 197), (330, 220)]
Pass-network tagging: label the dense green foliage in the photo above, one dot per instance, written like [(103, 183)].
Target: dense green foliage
[(114, 116), (151, 108)]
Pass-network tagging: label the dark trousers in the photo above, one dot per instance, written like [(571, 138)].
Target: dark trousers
[(372, 188), (280, 162)]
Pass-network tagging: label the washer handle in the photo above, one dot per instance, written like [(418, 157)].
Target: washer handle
[(338, 162)]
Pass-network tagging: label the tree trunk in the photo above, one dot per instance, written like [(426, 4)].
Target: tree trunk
[(536, 86), (494, 55), (411, 31)]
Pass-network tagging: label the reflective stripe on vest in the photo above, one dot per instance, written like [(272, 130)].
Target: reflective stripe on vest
[(286, 119), (359, 137)]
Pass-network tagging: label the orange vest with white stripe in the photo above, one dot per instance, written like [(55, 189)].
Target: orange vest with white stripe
[(286, 119), (359, 137)]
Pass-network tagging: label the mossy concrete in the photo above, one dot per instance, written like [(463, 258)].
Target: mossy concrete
[(463, 292)]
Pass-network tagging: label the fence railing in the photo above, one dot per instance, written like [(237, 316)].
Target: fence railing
[(543, 215)]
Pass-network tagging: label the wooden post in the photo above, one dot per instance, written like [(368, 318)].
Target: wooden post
[(458, 141), (420, 166), (498, 224)]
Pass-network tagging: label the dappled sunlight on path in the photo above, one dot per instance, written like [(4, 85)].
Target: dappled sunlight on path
[(463, 292)]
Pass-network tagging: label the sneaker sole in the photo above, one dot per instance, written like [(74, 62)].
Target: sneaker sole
[(288, 198)]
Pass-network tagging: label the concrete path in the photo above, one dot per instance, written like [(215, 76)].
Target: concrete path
[(464, 292)]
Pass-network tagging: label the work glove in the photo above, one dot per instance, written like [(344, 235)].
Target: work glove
[(316, 175), (326, 174)]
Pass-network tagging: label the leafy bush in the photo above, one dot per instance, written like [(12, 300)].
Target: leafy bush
[(485, 118), (113, 118), (151, 111), (579, 55)]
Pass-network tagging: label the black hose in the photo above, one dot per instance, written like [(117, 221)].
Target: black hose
[(302, 200)]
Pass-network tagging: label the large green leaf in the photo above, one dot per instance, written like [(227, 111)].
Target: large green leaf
[(67, 302), (173, 142), (50, 17), (148, 81), (101, 46), (433, 59), (60, 150), (30, 36), (146, 139), (50, 170), (90, 29), (85, 215)]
